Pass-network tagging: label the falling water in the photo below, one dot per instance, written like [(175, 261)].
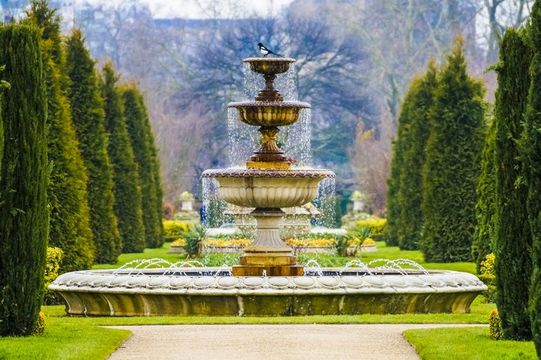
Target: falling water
[(243, 139), (326, 203), (213, 214), (298, 139)]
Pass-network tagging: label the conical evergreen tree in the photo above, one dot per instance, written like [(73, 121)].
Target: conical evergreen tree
[(452, 163), (67, 193), (485, 209), (89, 120), (512, 240), (531, 155), (409, 197), (127, 190), (142, 141), (3, 85), (397, 166), (24, 215)]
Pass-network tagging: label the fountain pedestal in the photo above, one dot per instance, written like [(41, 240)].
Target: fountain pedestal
[(268, 254)]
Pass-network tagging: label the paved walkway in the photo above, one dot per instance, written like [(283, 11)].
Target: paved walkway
[(269, 342)]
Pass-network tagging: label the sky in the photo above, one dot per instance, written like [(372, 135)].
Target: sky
[(194, 9)]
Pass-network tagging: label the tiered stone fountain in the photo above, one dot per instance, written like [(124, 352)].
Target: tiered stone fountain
[(268, 280), (269, 181)]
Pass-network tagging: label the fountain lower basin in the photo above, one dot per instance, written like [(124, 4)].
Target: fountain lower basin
[(212, 291)]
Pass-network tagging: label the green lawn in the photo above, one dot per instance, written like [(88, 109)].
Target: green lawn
[(466, 343), (64, 339), (384, 252)]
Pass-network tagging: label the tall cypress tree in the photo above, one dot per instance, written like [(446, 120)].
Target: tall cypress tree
[(485, 209), (67, 193), (23, 181), (3, 84), (512, 241), (410, 220), (142, 141), (452, 164), (89, 120), (397, 166), (531, 154), (127, 190)]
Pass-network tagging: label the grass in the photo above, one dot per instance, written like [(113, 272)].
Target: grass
[(147, 254), (384, 252), (466, 343), (64, 340)]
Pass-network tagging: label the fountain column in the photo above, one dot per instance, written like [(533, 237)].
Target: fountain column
[(268, 252)]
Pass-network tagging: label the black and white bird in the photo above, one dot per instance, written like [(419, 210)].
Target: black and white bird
[(266, 51)]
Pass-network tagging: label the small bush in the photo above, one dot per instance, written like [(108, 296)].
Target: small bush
[(40, 324), (174, 229), (168, 211), (495, 325), (193, 240), (341, 245), (369, 242), (374, 223), (487, 275), (52, 267), (179, 242)]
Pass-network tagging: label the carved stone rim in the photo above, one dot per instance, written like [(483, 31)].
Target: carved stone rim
[(269, 59), (266, 104), (106, 282), (292, 173)]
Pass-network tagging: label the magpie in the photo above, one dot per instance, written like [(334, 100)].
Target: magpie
[(264, 51)]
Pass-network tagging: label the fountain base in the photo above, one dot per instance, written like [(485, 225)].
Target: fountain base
[(213, 292), (260, 264)]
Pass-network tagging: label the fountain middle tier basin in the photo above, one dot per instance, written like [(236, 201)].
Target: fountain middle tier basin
[(269, 113), (268, 188), (212, 291)]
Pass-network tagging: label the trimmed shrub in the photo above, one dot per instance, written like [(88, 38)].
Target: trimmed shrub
[(52, 270), (142, 142), (487, 275), (40, 325), (24, 216), (127, 189), (89, 120), (376, 225), (495, 326), (173, 229), (452, 163), (512, 243)]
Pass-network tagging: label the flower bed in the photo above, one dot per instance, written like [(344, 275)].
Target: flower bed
[(177, 247), (225, 245)]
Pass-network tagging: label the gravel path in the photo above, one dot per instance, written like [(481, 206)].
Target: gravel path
[(268, 342)]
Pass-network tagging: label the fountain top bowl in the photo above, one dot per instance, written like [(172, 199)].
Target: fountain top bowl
[(269, 66)]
